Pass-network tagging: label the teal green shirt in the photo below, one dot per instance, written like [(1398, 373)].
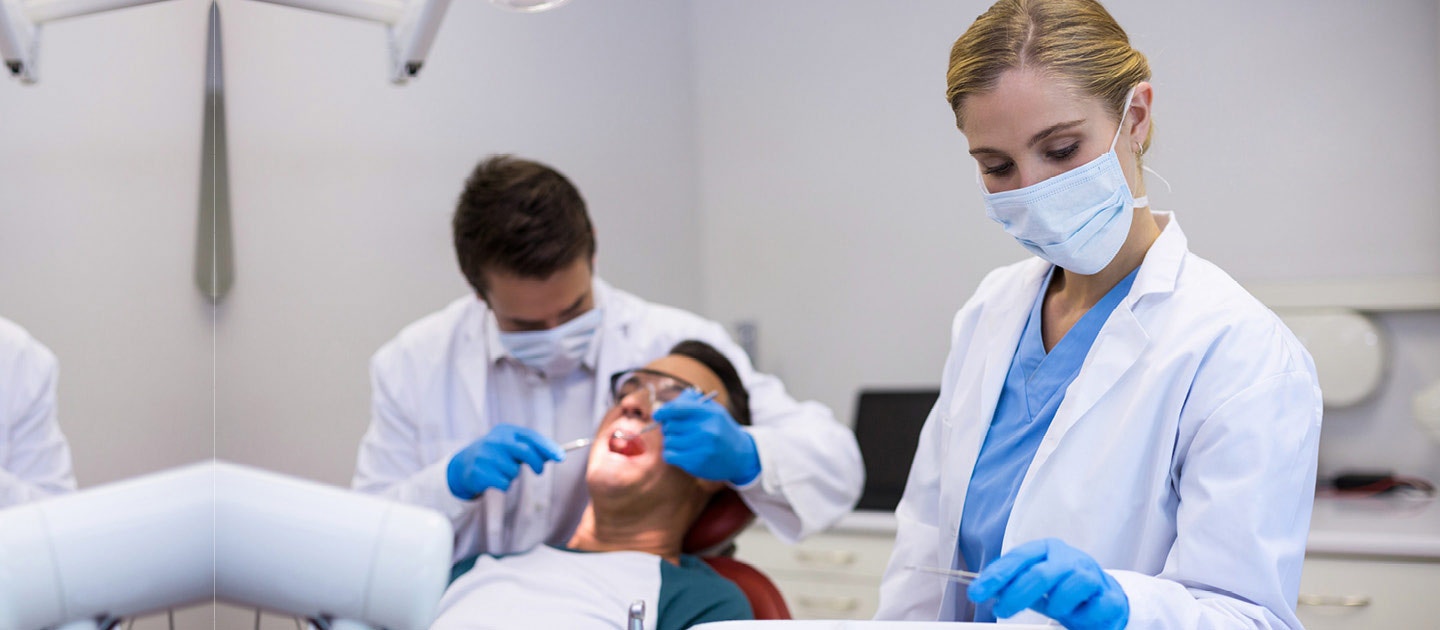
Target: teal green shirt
[(690, 594)]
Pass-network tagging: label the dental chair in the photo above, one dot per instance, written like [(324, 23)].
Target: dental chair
[(215, 531), (712, 538)]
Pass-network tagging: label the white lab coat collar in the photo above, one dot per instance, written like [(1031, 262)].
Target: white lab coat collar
[(1161, 268), (1117, 348), (1115, 351), (612, 350)]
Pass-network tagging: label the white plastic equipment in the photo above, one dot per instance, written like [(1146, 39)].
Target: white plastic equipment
[(310, 550), (1349, 352), (1427, 409), (236, 534), (20, 22), (411, 25)]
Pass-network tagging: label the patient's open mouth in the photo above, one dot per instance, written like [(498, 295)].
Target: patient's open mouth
[(628, 443), (627, 446)]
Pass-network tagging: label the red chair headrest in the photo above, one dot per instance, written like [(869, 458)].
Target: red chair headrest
[(722, 520), (765, 599)]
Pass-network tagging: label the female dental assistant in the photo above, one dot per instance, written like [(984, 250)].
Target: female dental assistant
[(1124, 436)]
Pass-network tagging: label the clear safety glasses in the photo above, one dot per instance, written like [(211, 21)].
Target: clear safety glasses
[(662, 387)]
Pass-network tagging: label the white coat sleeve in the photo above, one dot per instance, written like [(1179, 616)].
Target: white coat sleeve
[(1246, 490), (810, 468), (38, 462), (390, 463), (907, 595)]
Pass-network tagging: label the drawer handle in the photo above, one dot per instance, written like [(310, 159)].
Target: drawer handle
[(839, 558), (836, 604), (1342, 601)]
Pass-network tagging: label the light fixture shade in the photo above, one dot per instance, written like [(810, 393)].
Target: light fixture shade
[(528, 6)]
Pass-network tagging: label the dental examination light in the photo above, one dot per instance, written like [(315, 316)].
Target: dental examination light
[(20, 22), (222, 532), (411, 25)]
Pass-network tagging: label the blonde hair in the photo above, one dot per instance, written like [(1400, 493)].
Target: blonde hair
[(1076, 41)]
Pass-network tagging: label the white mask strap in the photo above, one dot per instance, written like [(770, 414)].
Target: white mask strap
[(1144, 200), (1168, 187), (1123, 114)]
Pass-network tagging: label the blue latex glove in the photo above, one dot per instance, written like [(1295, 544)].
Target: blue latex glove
[(702, 439), (1056, 580), (494, 460)]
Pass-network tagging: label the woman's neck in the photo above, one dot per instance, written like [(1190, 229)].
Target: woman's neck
[(1074, 292)]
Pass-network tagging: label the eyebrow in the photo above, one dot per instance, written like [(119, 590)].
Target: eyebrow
[(532, 323), (1045, 133), (576, 305)]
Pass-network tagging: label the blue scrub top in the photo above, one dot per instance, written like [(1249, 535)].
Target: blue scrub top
[(1034, 389)]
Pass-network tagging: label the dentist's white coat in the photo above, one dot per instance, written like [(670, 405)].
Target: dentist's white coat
[(430, 401), (34, 456), (1182, 458)]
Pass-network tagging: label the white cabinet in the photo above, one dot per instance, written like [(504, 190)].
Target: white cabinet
[(1349, 592), (835, 575)]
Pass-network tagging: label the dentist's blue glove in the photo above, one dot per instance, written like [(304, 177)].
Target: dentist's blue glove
[(494, 460), (702, 439), (1056, 580)]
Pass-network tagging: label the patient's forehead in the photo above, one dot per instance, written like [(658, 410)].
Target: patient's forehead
[(693, 372)]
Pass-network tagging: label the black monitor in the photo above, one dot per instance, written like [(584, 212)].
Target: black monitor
[(887, 425)]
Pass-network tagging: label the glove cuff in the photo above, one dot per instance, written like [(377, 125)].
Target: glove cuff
[(749, 466)]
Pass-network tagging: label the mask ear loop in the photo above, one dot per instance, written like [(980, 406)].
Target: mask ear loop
[(1142, 201), (1168, 187), (1123, 115)]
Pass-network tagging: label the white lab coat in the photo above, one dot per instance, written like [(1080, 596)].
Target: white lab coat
[(34, 457), (1182, 458), (429, 402)]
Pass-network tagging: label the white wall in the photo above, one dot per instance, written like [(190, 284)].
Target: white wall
[(344, 184), (792, 163), (99, 168), (837, 203), (99, 196), (840, 211)]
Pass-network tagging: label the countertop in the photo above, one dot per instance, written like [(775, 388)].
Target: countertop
[(1376, 527), (1390, 527)]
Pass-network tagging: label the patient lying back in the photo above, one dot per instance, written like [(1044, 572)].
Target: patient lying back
[(627, 546)]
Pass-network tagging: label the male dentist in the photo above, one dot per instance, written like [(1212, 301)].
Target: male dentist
[(467, 398)]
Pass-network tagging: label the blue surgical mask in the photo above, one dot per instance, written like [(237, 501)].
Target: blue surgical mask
[(1076, 220), (557, 351)]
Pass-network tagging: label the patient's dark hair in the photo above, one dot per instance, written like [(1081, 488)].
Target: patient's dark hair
[(716, 362), (519, 217)]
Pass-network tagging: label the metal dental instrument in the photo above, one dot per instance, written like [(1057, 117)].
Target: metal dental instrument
[(963, 577), (574, 444), (584, 442), (636, 620)]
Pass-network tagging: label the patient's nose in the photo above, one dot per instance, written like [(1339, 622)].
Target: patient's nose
[(636, 405)]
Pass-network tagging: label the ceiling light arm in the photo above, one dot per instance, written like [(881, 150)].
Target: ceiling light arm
[(411, 26), (20, 24)]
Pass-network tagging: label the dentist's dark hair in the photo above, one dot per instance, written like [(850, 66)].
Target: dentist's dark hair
[(716, 362), (519, 217)]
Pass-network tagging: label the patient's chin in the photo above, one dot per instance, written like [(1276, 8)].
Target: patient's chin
[(611, 482), (616, 470)]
